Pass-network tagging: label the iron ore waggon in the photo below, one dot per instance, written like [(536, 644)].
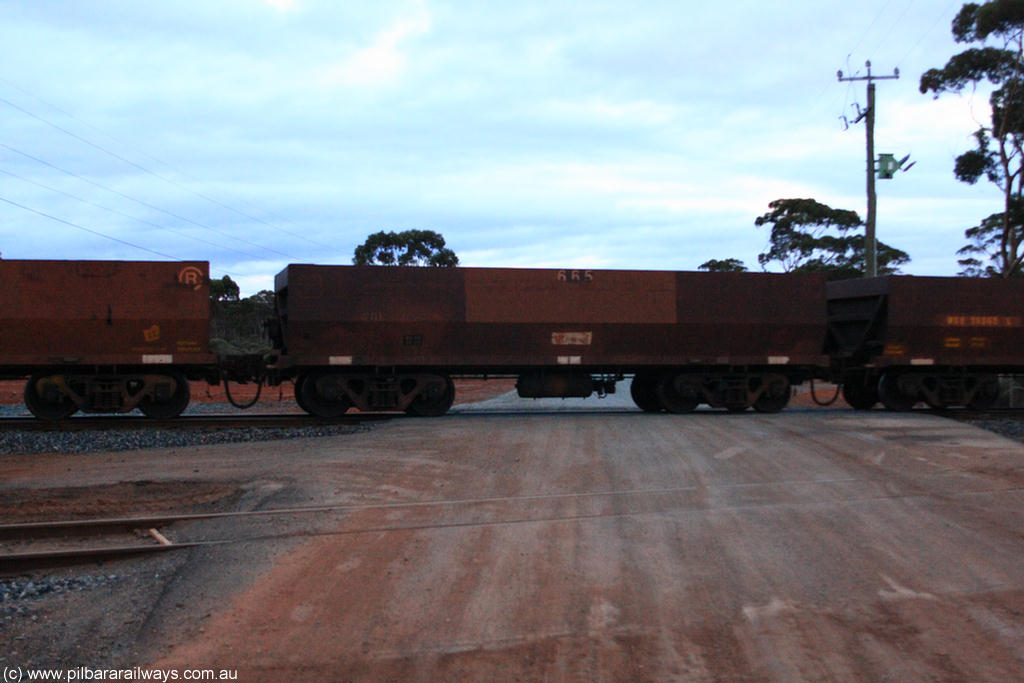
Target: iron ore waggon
[(105, 336), (389, 338), (903, 340)]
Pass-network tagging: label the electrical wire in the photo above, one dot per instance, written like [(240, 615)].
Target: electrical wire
[(885, 36), (927, 33), (867, 31), (125, 215), (90, 230), (149, 171), (139, 201)]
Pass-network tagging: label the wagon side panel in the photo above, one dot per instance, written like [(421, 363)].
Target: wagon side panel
[(104, 312)]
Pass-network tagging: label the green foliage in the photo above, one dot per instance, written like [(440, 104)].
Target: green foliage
[(408, 248), (729, 265), (808, 236), (999, 147), (237, 325), (985, 239), (224, 289)]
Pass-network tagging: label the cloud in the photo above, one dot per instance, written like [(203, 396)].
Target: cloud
[(385, 60)]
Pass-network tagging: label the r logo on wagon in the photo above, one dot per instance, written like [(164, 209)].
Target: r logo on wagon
[(190, 276)]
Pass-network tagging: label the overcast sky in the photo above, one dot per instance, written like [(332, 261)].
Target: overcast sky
[(257, 133)]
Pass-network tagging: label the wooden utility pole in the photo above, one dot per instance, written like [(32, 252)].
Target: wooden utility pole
[(870, 244)]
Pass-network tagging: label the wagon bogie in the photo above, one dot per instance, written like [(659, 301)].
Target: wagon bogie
[(330, 393), (902, 390), (681, 391), (56, 395)]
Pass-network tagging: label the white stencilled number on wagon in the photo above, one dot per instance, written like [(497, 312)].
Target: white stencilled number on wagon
[(575, 275)]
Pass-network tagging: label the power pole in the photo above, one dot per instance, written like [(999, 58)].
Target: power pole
[(870, 245)]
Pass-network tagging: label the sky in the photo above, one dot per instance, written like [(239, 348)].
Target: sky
[(642, 135)]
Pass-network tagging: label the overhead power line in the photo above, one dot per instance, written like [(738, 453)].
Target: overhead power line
[(146, 170), (885, 36), (938, 20), (125, 215), (867, 31), (90, 230), (139, 201)]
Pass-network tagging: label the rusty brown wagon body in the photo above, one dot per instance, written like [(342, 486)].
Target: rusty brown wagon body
[(941, 340), (105, 336), (389, 337)]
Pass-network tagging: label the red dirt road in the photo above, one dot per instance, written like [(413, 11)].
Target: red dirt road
[(806, 546)]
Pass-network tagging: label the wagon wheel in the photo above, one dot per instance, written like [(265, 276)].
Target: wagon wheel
[(891, 396), (775, 396), (173, 405), (45, 400), (931, 392), (319, 394), (986, 395), (644, 390), (677, 396), (435, 399), (299, 381), (859, 395)]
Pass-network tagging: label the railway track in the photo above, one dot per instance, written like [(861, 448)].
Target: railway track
[(71, 542), (32, 546), (185, 422)]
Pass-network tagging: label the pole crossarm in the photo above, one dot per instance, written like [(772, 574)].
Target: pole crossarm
[(870, 77)]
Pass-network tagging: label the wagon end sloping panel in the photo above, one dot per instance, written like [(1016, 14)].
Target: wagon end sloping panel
[(104, 312)]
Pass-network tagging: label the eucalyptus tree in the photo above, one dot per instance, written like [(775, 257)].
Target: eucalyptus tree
[(729, 265), (407, 248), (996, 29), (808, 236)]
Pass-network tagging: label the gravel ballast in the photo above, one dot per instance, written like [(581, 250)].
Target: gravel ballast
[(88, 441)]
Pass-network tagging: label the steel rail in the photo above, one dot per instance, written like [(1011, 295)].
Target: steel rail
[(12, 564)]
